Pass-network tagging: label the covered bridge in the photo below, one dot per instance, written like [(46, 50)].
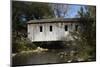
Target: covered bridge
[(52, 29)]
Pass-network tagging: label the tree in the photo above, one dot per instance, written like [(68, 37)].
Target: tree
[(88, 21), (21, 13), (59, 10), (30, 10), (87, 37)]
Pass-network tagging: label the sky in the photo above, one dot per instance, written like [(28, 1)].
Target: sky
[(73, 11)]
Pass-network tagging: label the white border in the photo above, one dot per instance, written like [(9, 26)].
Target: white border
[(5, 33), (93, 2)]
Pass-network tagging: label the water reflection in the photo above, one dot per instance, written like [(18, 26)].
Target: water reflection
[(51, 56), (46, 57)]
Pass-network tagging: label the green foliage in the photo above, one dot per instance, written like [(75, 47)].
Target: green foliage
[(86, 41), (30, 10), (21, 44)]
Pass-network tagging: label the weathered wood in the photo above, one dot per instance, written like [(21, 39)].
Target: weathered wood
[(58, 32)]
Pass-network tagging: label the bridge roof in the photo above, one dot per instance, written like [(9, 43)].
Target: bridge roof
[(54, 20)]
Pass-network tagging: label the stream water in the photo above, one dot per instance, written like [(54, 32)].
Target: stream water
[(49, 57), (46, 57)]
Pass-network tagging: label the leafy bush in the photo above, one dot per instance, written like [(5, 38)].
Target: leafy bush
[(82, 46), (21, 44)]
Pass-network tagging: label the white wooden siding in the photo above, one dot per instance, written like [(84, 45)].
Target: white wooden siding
[(58, 31)]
